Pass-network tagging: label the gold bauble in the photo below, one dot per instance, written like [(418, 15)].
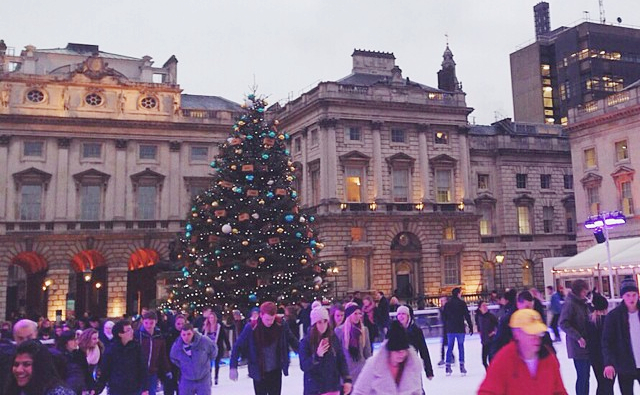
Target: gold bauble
[(245, 243), (238, 151), (209, 220), (260, 201), (234, 231), (194, 215), (281, 137), (261, 259), (214, 204), (233, 167), (276, 122), (303, 261), (279, 230)]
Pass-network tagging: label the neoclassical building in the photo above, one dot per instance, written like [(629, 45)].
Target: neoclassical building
[(410, 198), (100, 155)]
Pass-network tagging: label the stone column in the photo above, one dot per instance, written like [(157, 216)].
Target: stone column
[(4, 175), (465, 165), (377, 162), (423, 161), (58, 292), (4, 278), (329, 161), (306, 179), (119, 181), (175, 191), (62, 193), (117, 291)]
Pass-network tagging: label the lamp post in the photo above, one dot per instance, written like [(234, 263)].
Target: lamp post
[(600, 225), (334, 272), (499, 260), (86, 275)]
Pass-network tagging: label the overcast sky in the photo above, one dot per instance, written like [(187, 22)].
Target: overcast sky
[(289, 46)]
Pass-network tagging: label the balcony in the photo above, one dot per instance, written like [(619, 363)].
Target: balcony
[(65, 227)]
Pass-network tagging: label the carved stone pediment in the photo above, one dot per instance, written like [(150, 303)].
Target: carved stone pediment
[(591, 180), (355, 157), (524, 200), (443, 160), (31, 175)]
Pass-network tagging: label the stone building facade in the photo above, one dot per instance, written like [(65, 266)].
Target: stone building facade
[(410, 198), (101, 154), (604, 143)]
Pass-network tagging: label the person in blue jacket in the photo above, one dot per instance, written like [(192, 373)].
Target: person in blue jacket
[(322, 359), (264, 341), (193, 354)]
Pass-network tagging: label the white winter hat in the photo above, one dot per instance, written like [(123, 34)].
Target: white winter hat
[(315, 304), (403, 309), (319, 313)]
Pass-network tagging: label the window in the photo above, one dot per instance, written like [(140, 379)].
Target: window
[(357, 234), (486, 221), (354, 184), (90, 202), (30, 202), (400, 181), (527, 273), (157, 78), (451, 270), (397, 136), (593, 199), (196, 189), (35, 96), (148, 152), (627, 198), (93, 99), (568, 181), (199, 154), (570, 222), (146, 204), (483, 181), (545, 181), (297, 145), (449, 232), (621, 150), (354, 134), (314, 137), (590, 158), (33, 148), (442, 138), (443, 186), (524, 224), (314, 176), (91, 151), (521, 181), (148, 102), (358, 268), (547, 219)]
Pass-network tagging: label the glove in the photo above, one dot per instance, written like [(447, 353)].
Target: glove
[(233, 374)]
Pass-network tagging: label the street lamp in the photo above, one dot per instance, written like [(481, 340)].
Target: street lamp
[(86, 275), (499, 260), (334, 272), (600, 225)]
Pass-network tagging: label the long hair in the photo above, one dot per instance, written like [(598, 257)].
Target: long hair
[(84, 340), (315, 337), (346, 332), (209, 327), (44, 375), (332, 312)]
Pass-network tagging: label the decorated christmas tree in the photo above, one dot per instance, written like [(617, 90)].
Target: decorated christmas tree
[(245, 241)]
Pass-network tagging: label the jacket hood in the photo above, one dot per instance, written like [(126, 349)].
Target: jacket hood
[(196, 339)]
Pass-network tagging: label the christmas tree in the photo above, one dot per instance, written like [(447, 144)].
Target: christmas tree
[(245, 241)]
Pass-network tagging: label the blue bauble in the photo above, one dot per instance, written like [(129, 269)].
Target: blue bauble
[(286, 152), (187, 235), (189, 227), (218, 252), (294, 194), (313, 243), (236, 267), (260, 109), (269, 194), (253, 298), (312, 218), (265, 156), (272, 134), (286, 136), (249, 177), (213, 164), (288, 217), (249, 137), (251, 97), (298, 235)]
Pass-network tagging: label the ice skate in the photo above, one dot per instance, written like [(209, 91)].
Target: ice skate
[(463, 371), (448, 370)]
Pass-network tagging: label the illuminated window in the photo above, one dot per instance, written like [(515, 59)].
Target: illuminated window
[(449, 233), (483, 181), (627, 198), (357, 234), (590, 158), (593, 199), (524, 224), (486, 221), (354, 181), (622, 152), (358, 277), (545, 70), (443, 186), (442, 138), (527, 273)]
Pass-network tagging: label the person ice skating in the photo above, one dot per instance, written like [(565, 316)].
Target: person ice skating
[(214, 331), (416, 338), (265, 342), (487, 324), (524, 366), (193, 354), (455, 313), (321, 358), (621, 339), (555, 307), (594, 346), (354, 338), (154, 350), (573, 321), (395, 369)]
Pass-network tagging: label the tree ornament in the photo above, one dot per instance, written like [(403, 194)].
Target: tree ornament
[(233, 167), (255, 215), (253, 298), (209, 290), (189, 227), (226, 228), (279, 230), (289, 217), (245, 243), (261, 259), (265, 156), (303, 261), (317, 280)]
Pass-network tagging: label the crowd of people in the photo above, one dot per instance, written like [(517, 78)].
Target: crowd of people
[(181, 353)]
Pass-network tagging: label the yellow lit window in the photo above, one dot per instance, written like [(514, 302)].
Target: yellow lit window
[(590, 158)]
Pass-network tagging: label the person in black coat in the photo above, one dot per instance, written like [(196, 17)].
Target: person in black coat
[(123, 368), (617, 347), (595, 325), (503, 332), (416, 337), (487, 324), (455, 313), (382, 314), (71, 363)]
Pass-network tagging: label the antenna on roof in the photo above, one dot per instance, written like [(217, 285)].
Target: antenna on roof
[(586, 15), (446, 35), (601, 5)]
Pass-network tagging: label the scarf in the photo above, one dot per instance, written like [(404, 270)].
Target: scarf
[(264, 338), (354, 342), (93, 355), (369, 311)]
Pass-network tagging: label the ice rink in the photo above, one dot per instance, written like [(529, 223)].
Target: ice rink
[(441, 384)]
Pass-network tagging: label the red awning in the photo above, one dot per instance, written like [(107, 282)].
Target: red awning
[(144, 257), (87, 260), (31, 262)]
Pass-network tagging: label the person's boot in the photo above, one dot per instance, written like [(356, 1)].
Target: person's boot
[(448, 369), (441, 363), (462, 369)]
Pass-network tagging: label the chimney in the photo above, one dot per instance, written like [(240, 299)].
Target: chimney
[(541, 19)]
